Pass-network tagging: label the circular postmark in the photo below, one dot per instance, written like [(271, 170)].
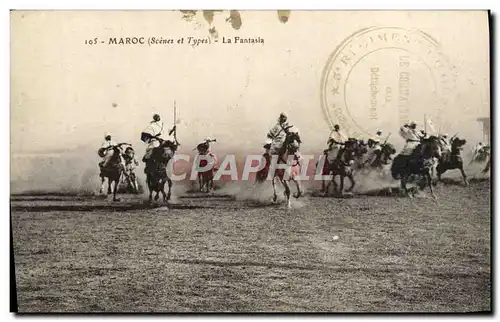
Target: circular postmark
[(382, 77)]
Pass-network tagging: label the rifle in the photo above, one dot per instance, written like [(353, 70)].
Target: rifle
[(387, 138), (175, 124)]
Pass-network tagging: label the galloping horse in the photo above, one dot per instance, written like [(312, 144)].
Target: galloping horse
[(342, 165), (383, 156), (290, 148), (206, 178), (451, 160), (112, 169), (418, 163), (156, 169)]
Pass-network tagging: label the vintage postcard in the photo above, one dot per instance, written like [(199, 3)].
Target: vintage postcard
[(251, 161)]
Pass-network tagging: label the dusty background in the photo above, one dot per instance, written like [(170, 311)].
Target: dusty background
[(66, 94)]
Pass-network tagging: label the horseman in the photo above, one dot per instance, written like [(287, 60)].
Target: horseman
[(204, 147), (106, 146), (412, 137), (374, 149), (335, 141), (153, 135), (210, 159), (480, 151), (278, 132)]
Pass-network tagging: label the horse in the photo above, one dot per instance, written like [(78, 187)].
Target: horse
[(129, 175), (206, 178), (383, 156), (419, 163), (112, 169), (451, 160), (342, 165), (156, 169), (487, 167), (290, 147)]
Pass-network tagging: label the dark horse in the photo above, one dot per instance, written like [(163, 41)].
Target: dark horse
[(156, 169), (206, 178), (419, 163), (112, 169), (342, 165), (289, 148), (383, 156), (451, 160)]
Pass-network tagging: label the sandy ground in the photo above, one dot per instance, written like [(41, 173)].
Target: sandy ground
[(240, 253)]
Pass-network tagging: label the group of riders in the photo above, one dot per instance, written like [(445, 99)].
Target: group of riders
[(375, 152)]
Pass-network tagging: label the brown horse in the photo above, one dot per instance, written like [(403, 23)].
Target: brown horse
[(343, 164), (419, 163), (206, 178), (156, 169), (451, 160), (112, 169), (383, 156)]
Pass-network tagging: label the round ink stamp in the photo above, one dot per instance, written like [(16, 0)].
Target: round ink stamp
[(383, 77)]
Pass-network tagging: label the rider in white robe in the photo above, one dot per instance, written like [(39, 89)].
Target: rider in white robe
[(412, 137), (156, 130), (106, 146), (277, 134), (335, 141)]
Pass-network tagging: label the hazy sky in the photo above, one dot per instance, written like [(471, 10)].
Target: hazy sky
[(65, 93)]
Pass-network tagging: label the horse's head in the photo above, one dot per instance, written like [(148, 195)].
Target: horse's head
[(457, 142), (166, 150), (292, 142), (429, 148), (457, 145), (129, 153)]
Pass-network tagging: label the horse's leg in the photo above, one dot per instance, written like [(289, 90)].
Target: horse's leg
[(275, 196), (164, 194), (116, 189), (342, 177), (327, 187), (103, 179), (299, 189), (353, 183), (287, 193), (404, 189), (157, 190), (440, 169), (169, 194), (150, 186), (136, 185), (429, 182), (335, 185), (464, 176), (109, 185)]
